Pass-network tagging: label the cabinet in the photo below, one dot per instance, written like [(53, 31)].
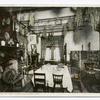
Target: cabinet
[(88, 58), (91, 58)]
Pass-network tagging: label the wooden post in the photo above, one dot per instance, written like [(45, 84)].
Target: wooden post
[(89, 46), (82, 47), (65, 52)]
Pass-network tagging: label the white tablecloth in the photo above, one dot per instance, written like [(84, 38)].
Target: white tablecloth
[(53, 69)]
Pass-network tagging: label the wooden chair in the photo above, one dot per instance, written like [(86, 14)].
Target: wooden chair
[(39, 82), (89, 69), (12, 79), (57, 79), (89, 66), (76, 78)]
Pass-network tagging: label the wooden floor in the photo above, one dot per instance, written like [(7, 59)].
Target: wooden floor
[(29, 88)]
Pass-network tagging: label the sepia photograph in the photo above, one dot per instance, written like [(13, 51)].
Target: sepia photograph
[(49, 50)]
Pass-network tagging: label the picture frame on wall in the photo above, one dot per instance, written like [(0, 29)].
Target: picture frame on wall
[(33, 44)]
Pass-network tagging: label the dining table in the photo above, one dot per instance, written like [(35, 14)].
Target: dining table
[(49, 70)]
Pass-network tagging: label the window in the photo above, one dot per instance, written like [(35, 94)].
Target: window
[(52, 54)]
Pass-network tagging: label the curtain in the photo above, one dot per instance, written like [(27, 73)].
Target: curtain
[(57, 54), (48, 54)]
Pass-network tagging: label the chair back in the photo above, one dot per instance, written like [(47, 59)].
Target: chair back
[(39, 79), (57, 79)]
